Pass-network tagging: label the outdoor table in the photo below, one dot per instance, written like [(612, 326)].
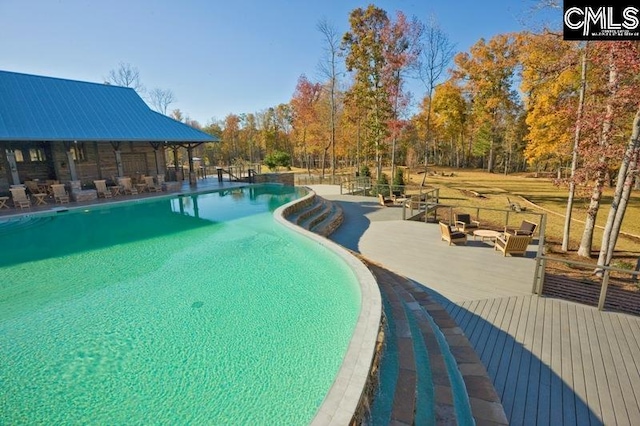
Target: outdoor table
[(141, 187), (115, 190), (40, 198), (3, 202), (486, 234)]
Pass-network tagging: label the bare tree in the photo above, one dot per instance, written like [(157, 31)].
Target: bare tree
[(160, 99), (436, 54), (126, 75), (329, 69)]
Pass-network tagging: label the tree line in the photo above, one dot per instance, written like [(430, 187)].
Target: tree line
[(516, 102)]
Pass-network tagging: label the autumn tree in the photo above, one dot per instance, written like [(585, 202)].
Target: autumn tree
[(486, 74), (304, 114), (450, 110), (365, 57), (608, 114)]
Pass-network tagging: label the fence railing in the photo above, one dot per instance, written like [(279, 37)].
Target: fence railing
[(603, 277)]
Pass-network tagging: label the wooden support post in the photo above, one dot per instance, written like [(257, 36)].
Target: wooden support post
[(603, 290)]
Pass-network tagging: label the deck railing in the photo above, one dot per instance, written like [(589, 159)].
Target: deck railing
[(603, 275)]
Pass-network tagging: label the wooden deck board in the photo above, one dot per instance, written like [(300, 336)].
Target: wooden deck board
[(613, 411), (555, 386), (513, 374), (524, 373), (591, 387), (567, 360), (489, 344), (620, 354), (535, 369), (488, 327), (493, 362), (577, 364)]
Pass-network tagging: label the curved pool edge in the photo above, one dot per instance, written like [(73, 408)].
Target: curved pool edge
[(342, 400)]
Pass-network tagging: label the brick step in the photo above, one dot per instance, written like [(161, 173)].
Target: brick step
[(435, 375), (331, 223)]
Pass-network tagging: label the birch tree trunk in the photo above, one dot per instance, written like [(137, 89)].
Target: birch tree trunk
[(574, 159), (626, 176), (592, 212)]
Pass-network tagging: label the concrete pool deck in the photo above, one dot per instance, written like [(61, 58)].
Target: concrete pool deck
[(550, 360)]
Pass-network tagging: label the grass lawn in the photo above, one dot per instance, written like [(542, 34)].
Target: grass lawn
[(538, 195)]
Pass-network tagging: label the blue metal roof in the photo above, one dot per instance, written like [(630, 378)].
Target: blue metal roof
[(42, 108)]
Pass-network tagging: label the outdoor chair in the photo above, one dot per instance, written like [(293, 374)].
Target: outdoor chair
[(101, 189), (34, 187), (526, 228), (151, 185), (451, 236), (384, 201), (126, 185), (20, 198), (464, 223), (60, 194), (512, 244)]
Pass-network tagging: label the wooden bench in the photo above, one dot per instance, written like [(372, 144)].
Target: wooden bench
[(452, 237), (512, 244)]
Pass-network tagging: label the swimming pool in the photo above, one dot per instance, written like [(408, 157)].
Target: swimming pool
[(196, 309)]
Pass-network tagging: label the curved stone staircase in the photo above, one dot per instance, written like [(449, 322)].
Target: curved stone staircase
[(316, 215), (426, 371)]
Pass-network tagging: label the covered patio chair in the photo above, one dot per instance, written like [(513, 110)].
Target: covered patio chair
[(60, 194), (20, 198), (451, 236), (101, 188), (464, 223), (526, 228), (513, 244)]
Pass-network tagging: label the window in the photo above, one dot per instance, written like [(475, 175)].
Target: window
[(78, 152), (37, 154), (18, 154)]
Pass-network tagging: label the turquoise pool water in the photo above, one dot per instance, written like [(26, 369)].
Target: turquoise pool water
[(192, 310)]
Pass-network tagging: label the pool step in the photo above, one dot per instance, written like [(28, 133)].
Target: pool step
[(318, 215), (429, 373)]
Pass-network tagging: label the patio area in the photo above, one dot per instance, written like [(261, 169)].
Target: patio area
[(550, 360)]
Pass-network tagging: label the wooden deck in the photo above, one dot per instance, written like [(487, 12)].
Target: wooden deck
[(552, 361), (556, 362)]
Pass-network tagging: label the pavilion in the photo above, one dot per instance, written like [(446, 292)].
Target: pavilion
[(67, 130)]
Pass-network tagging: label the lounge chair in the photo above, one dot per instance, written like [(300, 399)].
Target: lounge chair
[(101, 189), (512, 244), (60, 194), (384, 201), (451, 236), (126, 186), (34, 187), (151, 185), (464, 223), (526, 228), (20, 198)]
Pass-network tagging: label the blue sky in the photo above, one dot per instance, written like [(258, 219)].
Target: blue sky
[(218, 57)]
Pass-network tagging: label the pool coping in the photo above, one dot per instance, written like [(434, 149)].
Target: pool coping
[(343, 398)]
